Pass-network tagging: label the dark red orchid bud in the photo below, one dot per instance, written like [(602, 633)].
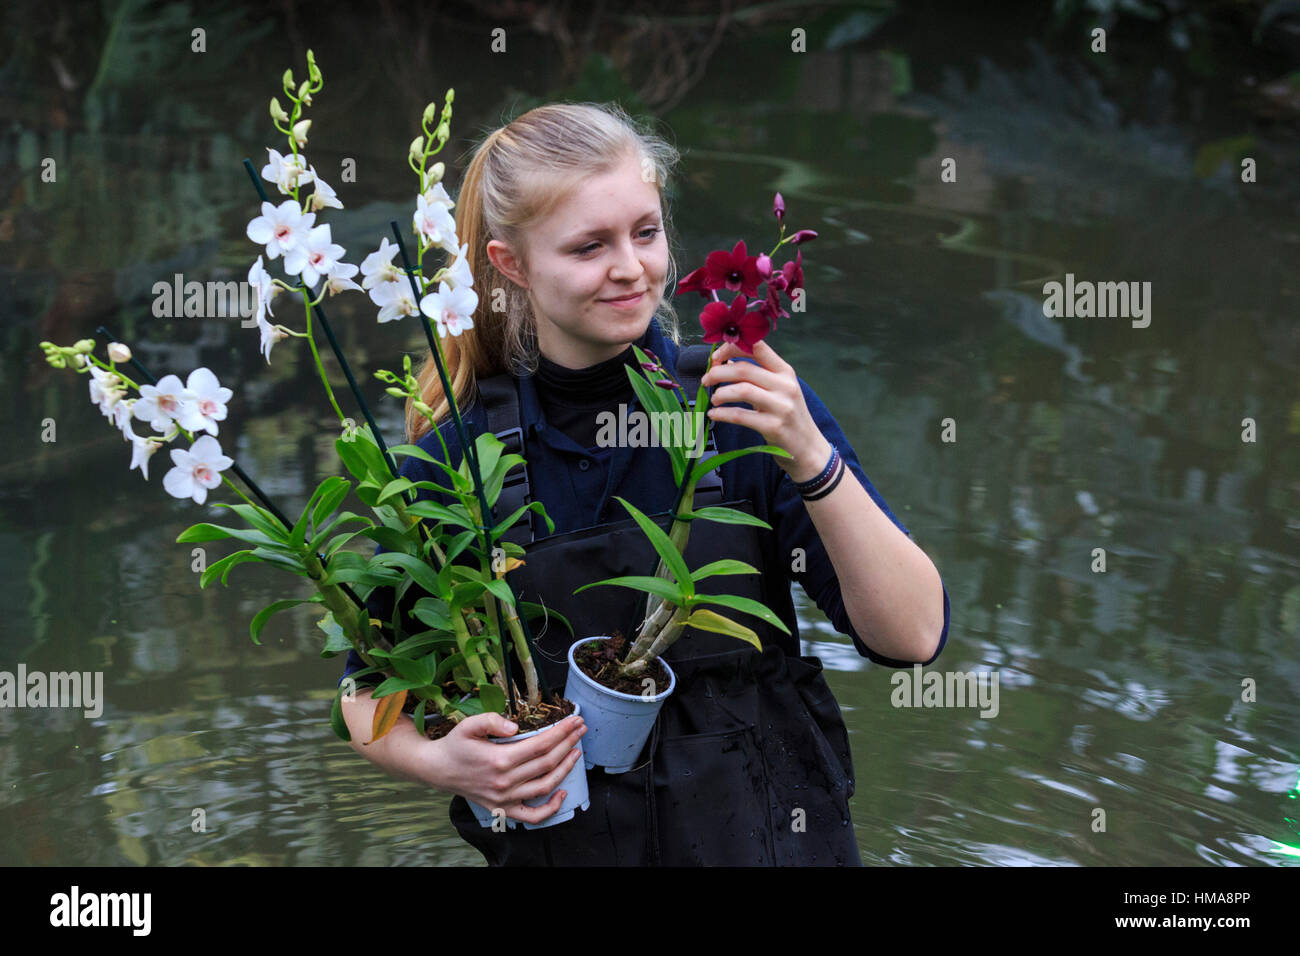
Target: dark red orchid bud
[(803, 235), (650, 366), (665, 383), (654, 358), (778, 207)]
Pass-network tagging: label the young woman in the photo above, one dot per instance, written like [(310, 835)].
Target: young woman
[(566, 227)]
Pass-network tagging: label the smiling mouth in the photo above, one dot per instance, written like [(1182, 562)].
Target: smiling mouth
[(625, 298)]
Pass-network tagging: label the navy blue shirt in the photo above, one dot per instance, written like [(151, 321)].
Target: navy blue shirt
[(577, 487)]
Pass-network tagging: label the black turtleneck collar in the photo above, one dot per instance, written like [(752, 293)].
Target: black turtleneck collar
[(572, 398), (595, 385)]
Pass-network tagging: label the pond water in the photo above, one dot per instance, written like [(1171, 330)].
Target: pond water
[(1120, 690)]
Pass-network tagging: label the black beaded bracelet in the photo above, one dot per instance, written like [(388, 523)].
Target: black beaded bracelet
[(839, 473), (812, 484)]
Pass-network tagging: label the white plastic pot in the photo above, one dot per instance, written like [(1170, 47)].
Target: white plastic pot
[(617, 723), (574, 782)]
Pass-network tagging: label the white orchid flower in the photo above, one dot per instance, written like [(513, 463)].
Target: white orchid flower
[(161, 404), (105, 390), (399, 304), (286, 171), (122, 416), (142, 450), (208, 405), (314, 257), (197, 470), (451, 309), (260, 280), (322, 195), (281, 228), (458, 275), (436, 195), (434, 222), (271, 334), (340, 279), (382, 277)]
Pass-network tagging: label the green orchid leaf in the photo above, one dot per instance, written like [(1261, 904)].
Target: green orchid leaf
[(211, 532), (433, 612), (418, 717), (492, 698), (393, 488), (660, 587), (336, 642), (725, 566), (264, 615), (706, 620), (532, 610), (223, 566), (748, 605), (505, 524), (728, 516), (346, 517), (339, 725), (705, 465), (672, 558), (423, 575), (330, 498), (259, 518)]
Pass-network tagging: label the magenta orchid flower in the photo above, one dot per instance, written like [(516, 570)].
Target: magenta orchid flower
[(735, 324), (734, 271)]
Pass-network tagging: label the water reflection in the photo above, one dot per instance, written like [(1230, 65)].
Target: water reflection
[(1121, 690)]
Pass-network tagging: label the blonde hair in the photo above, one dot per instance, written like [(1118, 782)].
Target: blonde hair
[(519, 173)]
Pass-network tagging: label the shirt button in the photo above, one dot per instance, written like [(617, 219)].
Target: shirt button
[(584, 464)]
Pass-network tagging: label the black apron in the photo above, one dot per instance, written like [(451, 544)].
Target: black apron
[(748, 763)]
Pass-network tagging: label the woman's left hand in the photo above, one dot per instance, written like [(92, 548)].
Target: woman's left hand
[(779, 412)]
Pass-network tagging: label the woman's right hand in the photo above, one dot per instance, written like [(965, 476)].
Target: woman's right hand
[(505, 775)]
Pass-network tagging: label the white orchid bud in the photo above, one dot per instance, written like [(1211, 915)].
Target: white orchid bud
[(118, 352), (84, 345), (277, 111), (300, 131), (436, 172), (451, 94), (430, 112), (417, 148), (313, 71), (78, 360), (443, 130), (304, 92), (288, 81)]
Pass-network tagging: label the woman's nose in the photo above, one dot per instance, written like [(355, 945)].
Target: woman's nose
[(627, 264)]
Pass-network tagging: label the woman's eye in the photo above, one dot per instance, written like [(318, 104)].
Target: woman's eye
[(647, 233)]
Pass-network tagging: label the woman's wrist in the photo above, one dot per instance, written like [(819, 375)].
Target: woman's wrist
[(808, 464)]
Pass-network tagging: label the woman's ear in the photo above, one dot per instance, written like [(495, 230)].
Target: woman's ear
[(506, 262)]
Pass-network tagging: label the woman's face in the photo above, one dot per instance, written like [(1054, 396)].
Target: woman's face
[(604, 241)]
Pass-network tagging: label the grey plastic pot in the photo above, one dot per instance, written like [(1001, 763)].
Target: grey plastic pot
[(617, 723), (574, 782)]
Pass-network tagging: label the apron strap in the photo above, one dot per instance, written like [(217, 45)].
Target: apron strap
[(500, 397)]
